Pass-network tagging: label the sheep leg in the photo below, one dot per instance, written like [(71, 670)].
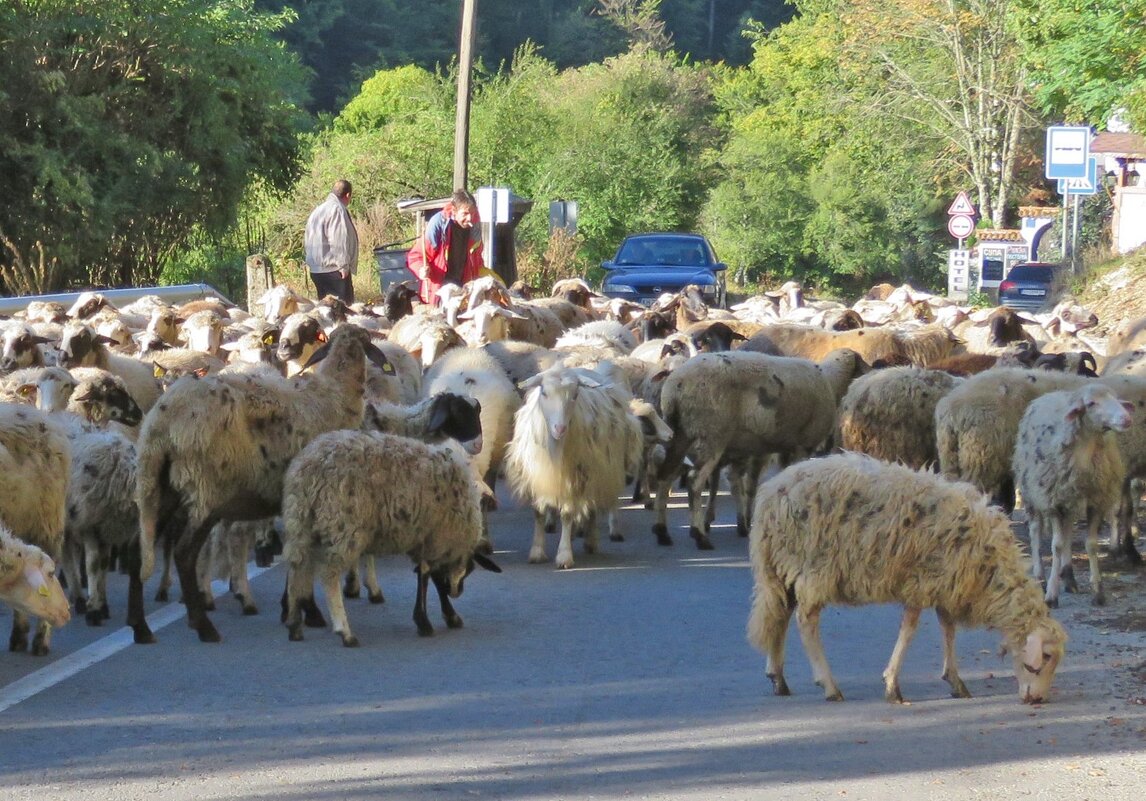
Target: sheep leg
[(1094, 516), (907, 628), (299, 584), (768, 627), (1034, 531), (592, 532), (808, 619), (239, 544), (18, 639), (370, 579), (453, 619), (352, 587), (163, 592), (187, 551), (42, 642), (537, 550), (421, 619), (749, 481), (141, 632), (660, 514), (615, 533), (97, 584), (713, 491), (203, 569), (72, 559), (1122, 538), (950, 668), (1059, 546), (695, 498), (564, 559), (329, 577)]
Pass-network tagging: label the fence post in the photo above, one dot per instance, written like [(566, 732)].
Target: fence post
[(260, 278)]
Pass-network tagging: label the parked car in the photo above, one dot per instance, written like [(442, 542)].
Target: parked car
[(1027, 286), (649, 265)]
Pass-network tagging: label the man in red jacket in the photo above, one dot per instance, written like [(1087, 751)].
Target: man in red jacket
[(450, 251)]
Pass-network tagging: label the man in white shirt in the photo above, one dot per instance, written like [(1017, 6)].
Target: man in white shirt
[(331, 245)]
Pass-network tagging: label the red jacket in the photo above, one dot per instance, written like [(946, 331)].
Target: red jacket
[(433, 250)]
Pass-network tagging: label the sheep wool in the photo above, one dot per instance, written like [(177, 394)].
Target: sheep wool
[(849, 529)]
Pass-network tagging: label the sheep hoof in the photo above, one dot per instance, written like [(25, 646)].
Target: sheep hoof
[(564, 564), (424, 628), (661, 532), (250, 609), (351, 589), (537, 557), (209, 606), (484, 547), (616, 538), (836, 696), (142, 634), (892, 694), (349, 641), (703, 543), (1099, 599), (40, 645), (294, 633), (779, 686), (161, 595), (93, 617), (958, 688), (649, 505), (18, 641), (208, 632), (1052, 603), (376, 597), (455, 621), (741, 529), (104, 612), (312, 617)]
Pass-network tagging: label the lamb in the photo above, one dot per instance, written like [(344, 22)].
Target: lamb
[(349, 493), (853, 530), (28, 581), (739, 407), (890, 414), (1065, 458), (35, 460), (574, 443), (217, 448), (977, 422)]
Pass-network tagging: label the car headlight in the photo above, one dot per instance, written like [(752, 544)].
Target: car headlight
[(620, 288), (708, 289)]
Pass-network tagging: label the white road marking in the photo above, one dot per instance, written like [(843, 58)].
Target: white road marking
[(70, 665)]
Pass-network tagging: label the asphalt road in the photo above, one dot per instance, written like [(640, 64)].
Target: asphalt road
[(627, 676)]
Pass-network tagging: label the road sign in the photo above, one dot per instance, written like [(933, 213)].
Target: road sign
[(1087, 185), (958, 273), (960, 226), (962, 205), (1068, 148)]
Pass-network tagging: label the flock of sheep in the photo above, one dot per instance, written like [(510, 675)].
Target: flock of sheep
[(188, 436)]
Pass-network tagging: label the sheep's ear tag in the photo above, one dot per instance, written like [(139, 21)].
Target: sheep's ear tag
[(159, 371), (26, 390), (268, 340), (43, 590), (321, 336)]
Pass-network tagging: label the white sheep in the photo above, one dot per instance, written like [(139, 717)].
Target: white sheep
[(35, 460), (574, 443), (849, 529), (217, 448), (28, 581), (351, 493), (20, 346), (82, 347), (890, 414), (1066, 458)]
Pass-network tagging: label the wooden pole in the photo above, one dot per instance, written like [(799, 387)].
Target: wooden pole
[(465, 68)]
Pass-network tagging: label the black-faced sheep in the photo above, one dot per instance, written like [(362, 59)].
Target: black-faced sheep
[(1066, 459), (850, 529), (350, 493)]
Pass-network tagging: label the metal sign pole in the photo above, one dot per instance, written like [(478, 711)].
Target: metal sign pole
[(1065, 198), (1074, 239)]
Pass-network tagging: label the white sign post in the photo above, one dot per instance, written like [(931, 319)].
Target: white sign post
[(958, 274), (1067, 157)]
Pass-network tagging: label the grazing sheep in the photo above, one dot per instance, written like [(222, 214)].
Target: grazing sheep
[(850, 529), (28, 581), (1065, 458), (574, 444), (890, 414), (351, 493), (217, 447), (977, 422), (35, 460)]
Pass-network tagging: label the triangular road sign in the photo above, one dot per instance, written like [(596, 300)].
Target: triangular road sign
[(962, 205)]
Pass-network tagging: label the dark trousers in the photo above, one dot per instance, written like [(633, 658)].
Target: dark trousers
[(334, 284)]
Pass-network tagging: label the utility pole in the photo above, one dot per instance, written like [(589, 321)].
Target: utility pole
[(462, 121)]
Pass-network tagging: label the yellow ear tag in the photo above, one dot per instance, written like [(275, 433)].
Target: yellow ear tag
[(268, 340), (388, 368), (43, 590), (159, 371)]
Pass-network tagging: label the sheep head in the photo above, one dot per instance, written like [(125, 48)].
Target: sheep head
[(1038, 659)]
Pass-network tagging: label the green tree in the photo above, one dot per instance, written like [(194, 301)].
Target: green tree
[(128, 123)]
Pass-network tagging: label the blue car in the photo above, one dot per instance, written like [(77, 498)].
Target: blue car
[(1027, 286), (648, 265)]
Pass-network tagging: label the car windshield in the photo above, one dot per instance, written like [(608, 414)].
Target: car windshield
[(667, 252)]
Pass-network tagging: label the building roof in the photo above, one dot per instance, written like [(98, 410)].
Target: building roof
[(1000, 235), (1039, 211), (1119, 144)]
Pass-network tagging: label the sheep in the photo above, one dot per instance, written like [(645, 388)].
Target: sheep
[(349, 493), (203, 332), (574, 443), (82, 347), (890, 414), (442, 416), (522, 360), (921, 346), (35, 460), (28, 581), (302, 334), (608, 335), (1065, 458), (217, 448), (425, 335), (20, 347), (977, 422), (740, 407), (853, 530), (486, 322), (992, 331), (280, 302), (1076, 362)]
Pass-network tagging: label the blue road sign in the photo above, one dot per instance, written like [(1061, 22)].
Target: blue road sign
[(1087, 185), (1068, 148)]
